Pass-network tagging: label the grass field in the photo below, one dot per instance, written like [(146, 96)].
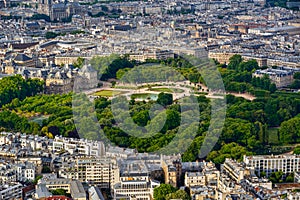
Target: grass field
[(273, 136), (167, 90), (39, 119), (107, 93), (144, 96)]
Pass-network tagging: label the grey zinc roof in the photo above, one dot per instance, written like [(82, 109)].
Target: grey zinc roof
[(22, 57), (95, 193), (58, 5), (77, 190), (42, 191)]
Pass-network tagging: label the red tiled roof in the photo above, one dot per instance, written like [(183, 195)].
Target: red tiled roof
[(58, 198)]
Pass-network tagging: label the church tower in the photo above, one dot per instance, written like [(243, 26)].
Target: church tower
[(44, 7)]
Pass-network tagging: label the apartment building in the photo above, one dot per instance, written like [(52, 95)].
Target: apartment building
[(25, 171), (11, 191), (7, 173), (16, 172), (227, 188), (135, 189), (35, 163), (200, 174), (32, 141), (155, 54), (172, 171), (268, 164), (102, 172), (279, 62), (82, 146), (195, 179), (192, 179), (73, 187), (221, 57), (260, 59), (253, 182), (133, 170), (236, 171)]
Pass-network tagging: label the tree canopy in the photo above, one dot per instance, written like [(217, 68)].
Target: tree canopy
[(161, 192)]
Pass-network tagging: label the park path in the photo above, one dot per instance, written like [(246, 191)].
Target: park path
[(186, 86)]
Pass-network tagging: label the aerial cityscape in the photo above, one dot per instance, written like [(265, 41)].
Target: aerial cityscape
[(149, 99)]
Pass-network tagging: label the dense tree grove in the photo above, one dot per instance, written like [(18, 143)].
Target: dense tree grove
[(165, 99), (290, 131), (17, 87), (56, 108), (107, 67), (278, 177), (179, 194), (237, 77), (280, 3), (250, 126), (40, 16), (296, 83), (13, 122), (163, 191), (297, 150)]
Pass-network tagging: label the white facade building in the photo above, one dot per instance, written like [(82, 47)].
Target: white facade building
[(139, 190), (25, 171), (81, 146), (13, 191), (268, 164), (102, 172)]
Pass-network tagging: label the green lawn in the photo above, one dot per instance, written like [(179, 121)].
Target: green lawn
[(144, 96), (39, 119), (167, 90), (107, 93), (273, 135)]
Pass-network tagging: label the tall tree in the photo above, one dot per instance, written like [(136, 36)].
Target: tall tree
[(165, 99), (161, 192), (234, 61)]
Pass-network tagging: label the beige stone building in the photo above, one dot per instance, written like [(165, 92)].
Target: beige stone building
[(156, 54), (221, 57), (102, 172), (236, 171), (281, 78), (172, 172)]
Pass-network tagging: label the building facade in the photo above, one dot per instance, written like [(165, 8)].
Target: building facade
[(279, 77), (11, 191), (101, 172), (268, 164), (139, 190)]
